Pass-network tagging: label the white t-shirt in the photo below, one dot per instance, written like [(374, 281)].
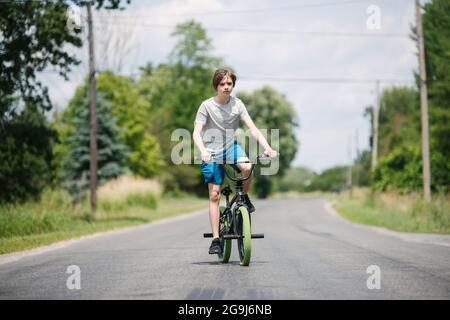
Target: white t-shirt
[(220, 122)]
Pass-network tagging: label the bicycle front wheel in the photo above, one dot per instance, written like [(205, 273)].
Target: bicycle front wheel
[(243, 229), (224, 225)]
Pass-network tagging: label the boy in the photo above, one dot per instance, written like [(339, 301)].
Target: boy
[(220, 116)]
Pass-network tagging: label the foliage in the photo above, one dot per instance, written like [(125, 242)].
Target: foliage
[(399, 119), (76, 161), (33, 37), (332, 179), (173, 91), (132, 112), (298, 179), (436, 30), (25, 156), (361, 169), (400, 165), (269, 109), (401, 170)]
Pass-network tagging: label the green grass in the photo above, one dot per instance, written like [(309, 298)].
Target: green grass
[(54, 218), (395, 212)]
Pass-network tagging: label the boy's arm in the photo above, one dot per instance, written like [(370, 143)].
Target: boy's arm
[(259, 137), (205, 155)]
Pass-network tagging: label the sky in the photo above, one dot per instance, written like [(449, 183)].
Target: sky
[(306, 50)]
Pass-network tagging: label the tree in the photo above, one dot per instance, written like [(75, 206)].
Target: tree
[(436, 30), (174, 91), (269, 109), (399, 119), (25, 156), (401, 170), (296, 179), (193, 47), (400, 166), (111, 153), (332, 179), (33, 36), (399, 131), (132, 112), (361, 168)]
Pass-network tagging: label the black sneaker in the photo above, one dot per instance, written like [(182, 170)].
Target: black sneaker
[(215, 247), (249, 204)]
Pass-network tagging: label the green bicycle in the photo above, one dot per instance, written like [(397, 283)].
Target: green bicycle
[(235, 220)]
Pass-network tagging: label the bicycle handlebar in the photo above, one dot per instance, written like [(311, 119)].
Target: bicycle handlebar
[(261, 156)]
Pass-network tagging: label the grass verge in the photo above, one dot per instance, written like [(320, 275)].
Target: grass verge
[(54, 218), (407, 213)]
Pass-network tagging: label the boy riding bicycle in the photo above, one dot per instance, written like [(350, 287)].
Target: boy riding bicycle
[(216, 121)]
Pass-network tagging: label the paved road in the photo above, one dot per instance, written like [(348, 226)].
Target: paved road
[(307, 254)]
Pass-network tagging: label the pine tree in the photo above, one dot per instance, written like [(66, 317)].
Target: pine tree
[(111, 154)]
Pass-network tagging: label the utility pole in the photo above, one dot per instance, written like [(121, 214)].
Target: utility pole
[(423, 107), (92, 113), (349, 176), (358, 165), (376, 113)]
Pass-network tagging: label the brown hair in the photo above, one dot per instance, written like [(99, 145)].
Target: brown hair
[(220, 74)]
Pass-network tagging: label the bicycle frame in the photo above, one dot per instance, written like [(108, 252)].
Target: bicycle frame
[(239, 183), (238, 198), (234, 219)]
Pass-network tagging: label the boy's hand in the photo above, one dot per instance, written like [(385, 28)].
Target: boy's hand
[(206, 156), (270, 153)]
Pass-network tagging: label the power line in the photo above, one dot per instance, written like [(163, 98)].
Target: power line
[(326, 80), (262, 10), (264, 31), (317, 80)]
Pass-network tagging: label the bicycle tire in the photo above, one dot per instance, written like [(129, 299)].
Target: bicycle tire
[(243, 229), (224, 257)]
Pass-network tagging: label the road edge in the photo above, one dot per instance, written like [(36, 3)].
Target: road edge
[(18, 255), (424, 238)]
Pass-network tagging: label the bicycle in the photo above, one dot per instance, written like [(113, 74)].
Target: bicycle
[(235, 220)]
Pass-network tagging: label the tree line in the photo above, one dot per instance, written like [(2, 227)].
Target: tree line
[(135, 115), (399, 165)]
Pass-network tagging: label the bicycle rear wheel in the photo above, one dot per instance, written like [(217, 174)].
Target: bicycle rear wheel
[(224, 226), (243, 229)]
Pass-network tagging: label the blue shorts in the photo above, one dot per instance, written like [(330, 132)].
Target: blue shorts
[(213, 172)]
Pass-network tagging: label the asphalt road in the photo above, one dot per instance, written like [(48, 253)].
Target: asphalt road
[(307, 253)]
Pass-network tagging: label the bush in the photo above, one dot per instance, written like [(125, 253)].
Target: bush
[(25, 157), (401, 170)]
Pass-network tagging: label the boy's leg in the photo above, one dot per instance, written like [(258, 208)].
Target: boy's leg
[(214, 199), (239, 155), (245, 169)]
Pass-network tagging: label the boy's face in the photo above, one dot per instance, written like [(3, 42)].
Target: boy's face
[(225, 86)]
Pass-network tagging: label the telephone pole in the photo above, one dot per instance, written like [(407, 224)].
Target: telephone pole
[(350, 167), (92, 112), (423, 107), (358, 164), (376, 113)]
